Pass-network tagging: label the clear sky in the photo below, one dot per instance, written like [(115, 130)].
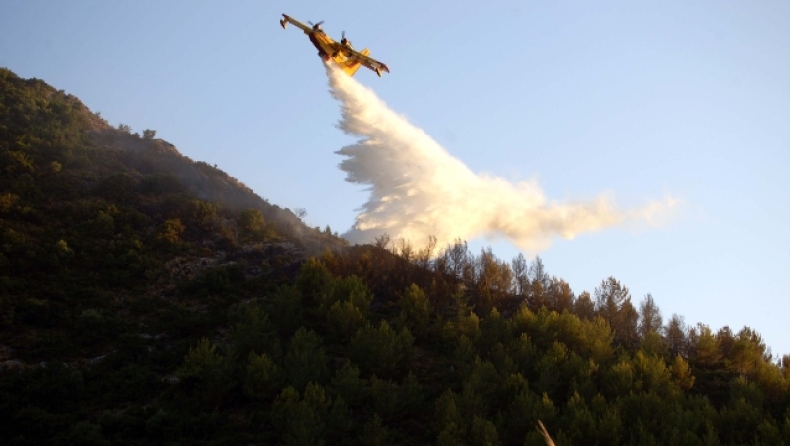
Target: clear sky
[(643, 100)]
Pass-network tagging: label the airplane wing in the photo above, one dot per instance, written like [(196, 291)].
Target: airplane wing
[(367, 61), (287, 19)]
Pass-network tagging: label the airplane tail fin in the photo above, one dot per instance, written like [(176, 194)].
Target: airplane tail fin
[(351, 67)]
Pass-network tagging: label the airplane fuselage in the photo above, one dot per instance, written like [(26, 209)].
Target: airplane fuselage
[(321, 42)]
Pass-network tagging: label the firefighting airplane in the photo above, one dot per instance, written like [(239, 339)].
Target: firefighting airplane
[(341, 52)]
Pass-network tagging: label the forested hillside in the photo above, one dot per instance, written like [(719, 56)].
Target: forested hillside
[(147, 299)]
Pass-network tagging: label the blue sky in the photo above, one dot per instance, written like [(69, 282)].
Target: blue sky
[(643, 100)]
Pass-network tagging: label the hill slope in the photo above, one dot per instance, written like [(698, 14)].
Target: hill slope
[(149, 299)]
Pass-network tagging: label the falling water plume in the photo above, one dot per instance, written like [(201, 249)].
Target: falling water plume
[(417, 189)]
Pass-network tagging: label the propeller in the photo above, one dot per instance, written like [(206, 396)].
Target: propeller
[(317, 24)]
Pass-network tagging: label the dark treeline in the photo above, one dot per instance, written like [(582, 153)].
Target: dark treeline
[(624, 346), (138, 306)]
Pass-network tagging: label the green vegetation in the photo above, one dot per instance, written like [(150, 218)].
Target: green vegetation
[(147, 299)]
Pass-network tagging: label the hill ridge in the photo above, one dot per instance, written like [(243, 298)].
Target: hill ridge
[(149, 299)]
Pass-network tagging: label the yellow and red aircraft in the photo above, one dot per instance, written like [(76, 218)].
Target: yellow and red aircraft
[(341, 52)]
